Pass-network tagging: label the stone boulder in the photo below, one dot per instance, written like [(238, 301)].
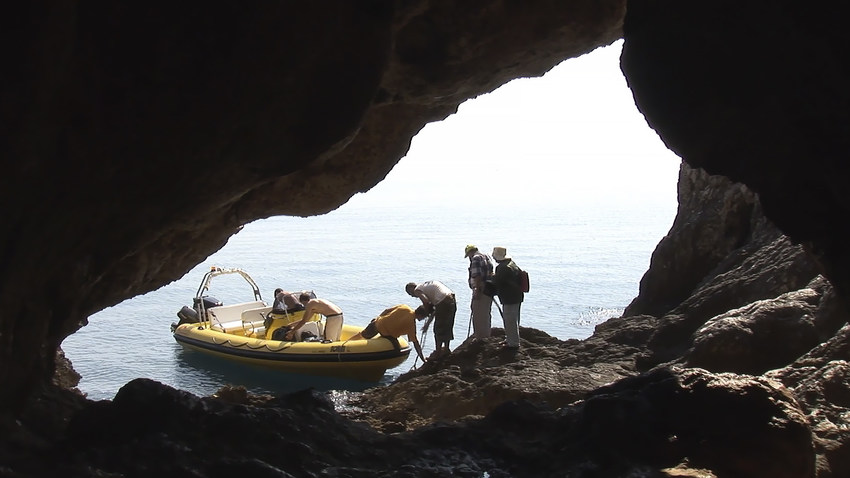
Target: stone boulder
[(760, 336), (480, 375), (820, 380), (760, 263), (734, 425)]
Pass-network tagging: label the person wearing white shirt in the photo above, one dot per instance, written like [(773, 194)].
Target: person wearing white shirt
[(440, 301)]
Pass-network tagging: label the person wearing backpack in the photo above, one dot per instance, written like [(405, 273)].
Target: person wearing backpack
[(506, 278)]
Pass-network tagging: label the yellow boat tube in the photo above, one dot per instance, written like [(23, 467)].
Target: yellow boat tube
[(365, 360)]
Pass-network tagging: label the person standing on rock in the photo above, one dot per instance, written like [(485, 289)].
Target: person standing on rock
[(438, 297), (507, 283), (480, 270)]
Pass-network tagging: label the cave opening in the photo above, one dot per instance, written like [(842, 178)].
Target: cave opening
[(562, 170)]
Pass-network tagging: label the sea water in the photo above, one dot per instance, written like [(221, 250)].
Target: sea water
[(585, 266)]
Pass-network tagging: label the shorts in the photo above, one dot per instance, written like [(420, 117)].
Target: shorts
[(444, 319)]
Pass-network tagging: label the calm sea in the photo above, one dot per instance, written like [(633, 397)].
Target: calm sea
[(585, 265)]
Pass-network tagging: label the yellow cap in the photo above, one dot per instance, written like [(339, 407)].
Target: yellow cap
[(469, 248)]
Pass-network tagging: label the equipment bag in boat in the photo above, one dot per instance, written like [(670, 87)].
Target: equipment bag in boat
[(280, 332)]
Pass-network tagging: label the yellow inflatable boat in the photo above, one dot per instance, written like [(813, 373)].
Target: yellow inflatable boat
[(245, 332)]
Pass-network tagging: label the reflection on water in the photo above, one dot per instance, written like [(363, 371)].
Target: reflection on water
[(203, 374)]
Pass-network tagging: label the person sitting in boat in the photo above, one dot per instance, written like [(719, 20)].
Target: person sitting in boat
[(394, 322), (285, 302), (312, 306)]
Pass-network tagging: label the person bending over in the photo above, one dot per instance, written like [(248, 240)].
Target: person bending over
[(312, 306), (441, 299), (394, 322), (285, 301)]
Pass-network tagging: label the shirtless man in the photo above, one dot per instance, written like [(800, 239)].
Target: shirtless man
[(285, 302), (332, 313)]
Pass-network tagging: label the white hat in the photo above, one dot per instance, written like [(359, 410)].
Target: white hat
[(500, 254)]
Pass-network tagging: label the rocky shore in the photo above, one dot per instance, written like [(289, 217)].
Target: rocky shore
[(745, 375)]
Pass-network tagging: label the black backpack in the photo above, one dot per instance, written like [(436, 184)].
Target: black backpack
[(280, 332), (522, 278)]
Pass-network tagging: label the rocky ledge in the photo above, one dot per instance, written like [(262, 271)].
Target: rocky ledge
[(755, 384)]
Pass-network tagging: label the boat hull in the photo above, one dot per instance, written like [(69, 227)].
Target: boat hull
[(365, 360)]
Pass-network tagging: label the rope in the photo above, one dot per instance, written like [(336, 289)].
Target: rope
[(246, 344), (341, 348)]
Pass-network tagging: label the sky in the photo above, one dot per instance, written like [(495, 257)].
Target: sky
[(571, 135)]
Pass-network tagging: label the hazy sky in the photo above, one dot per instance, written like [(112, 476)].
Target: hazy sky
[(574, 134)]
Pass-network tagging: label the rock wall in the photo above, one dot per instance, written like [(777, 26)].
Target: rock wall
[(757, 94)]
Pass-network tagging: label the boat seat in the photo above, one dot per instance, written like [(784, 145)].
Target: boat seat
[(228, 317), (253, 319)]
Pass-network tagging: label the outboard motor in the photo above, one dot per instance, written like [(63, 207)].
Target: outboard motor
[(187, 315)]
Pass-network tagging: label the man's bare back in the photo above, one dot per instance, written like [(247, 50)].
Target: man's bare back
[(320, 306)]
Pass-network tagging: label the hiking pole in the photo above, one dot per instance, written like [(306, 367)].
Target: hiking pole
[(421, 345), (469, 328), (496, 301)]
